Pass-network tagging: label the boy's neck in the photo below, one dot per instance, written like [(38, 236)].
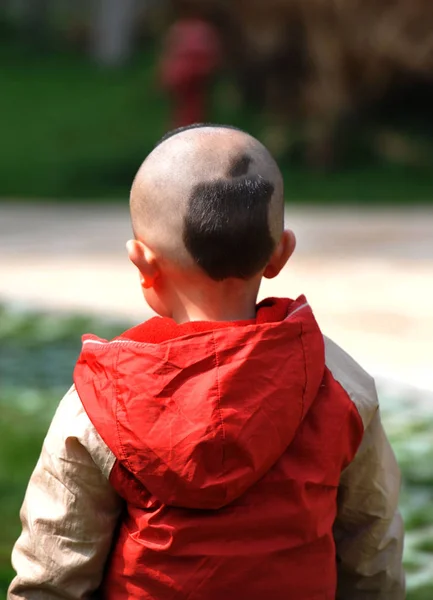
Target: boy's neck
[(221, 305), (195, 313)]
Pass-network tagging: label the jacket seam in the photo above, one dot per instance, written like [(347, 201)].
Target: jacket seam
[(116, 410), (351, 403), (217, 367), (351, 408), (301, 337)]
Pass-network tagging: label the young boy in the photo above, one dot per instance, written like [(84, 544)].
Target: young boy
[(224, 450)]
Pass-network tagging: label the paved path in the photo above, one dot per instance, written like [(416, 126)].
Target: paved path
[(367, 274)]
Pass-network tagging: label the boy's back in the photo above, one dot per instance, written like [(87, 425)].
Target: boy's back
[(225, 450)]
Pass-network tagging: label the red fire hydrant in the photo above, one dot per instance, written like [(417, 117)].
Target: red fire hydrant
[(191, 56)]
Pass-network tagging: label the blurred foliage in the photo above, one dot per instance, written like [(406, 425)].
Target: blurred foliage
[(37, 354), (75, 131)]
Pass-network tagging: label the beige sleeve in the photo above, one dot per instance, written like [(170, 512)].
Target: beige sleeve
[(69, 513), (368, 530)]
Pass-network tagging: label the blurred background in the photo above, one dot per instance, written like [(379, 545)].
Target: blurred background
[(341, 91)]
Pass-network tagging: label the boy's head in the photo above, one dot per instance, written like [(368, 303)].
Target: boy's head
[(207, 211)]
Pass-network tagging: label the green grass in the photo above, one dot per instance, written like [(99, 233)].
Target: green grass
[(409, 423), (71, 130)]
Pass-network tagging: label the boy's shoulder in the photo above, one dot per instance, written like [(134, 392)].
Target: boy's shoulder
[(357, 383), (72, 422)]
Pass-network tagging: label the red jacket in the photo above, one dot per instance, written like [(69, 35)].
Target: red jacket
[(230, 439)]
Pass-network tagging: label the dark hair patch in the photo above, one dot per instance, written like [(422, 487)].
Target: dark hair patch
[(240, 166), (226, 228)]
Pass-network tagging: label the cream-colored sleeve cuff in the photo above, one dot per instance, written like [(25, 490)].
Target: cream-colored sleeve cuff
[(69, 514), (369, 531)]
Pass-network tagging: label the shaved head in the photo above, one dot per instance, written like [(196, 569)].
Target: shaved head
[(210, 196)]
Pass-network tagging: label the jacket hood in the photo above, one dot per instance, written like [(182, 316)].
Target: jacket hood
[(199, 412)]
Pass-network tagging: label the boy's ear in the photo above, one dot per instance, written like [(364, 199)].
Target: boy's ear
[(281, 254), (144, 259)]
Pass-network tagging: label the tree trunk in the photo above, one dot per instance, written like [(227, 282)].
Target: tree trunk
[(113, 34)]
